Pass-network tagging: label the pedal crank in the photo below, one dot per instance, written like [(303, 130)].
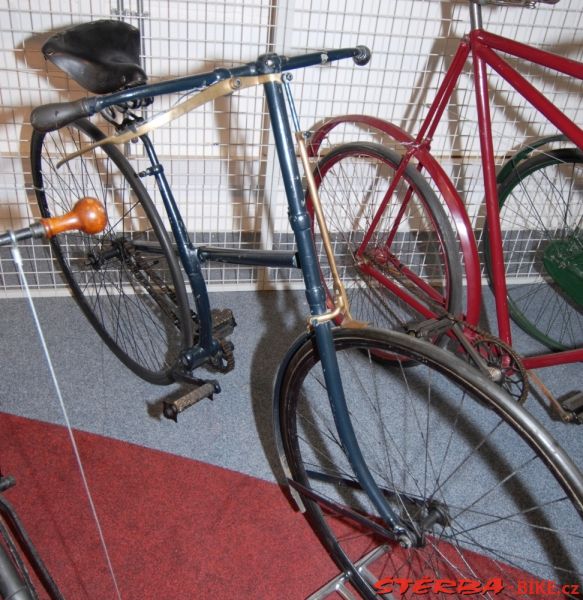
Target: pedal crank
[(224, 361), (223, 326), (568, 408), (488, 353)]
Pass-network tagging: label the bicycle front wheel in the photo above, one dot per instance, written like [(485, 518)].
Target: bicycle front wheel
[(127, 280), (394, 246), (541, 215), (490, 496)]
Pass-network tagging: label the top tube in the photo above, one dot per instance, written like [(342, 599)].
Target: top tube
[(53, 116)]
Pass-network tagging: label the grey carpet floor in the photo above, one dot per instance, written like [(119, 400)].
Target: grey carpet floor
[(233, 431)]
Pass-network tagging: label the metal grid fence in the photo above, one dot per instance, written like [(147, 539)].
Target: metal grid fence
[(220, 159)]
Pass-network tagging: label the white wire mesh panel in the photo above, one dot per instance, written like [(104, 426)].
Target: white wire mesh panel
[(219, 159), (413, 44)]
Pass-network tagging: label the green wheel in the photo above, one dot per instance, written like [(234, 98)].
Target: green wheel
[(541, 214)]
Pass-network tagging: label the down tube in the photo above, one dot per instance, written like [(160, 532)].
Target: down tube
[(300, 222)]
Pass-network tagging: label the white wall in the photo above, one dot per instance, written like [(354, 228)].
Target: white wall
[(221, 162)]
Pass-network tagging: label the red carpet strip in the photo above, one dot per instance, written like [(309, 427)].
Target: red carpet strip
[(175, 528)]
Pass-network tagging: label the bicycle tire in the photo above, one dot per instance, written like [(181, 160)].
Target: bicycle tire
[(541, 209), (508, 500), (15, 580), (135, 300), (352, 181)]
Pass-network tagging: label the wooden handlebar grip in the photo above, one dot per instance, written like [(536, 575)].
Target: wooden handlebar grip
[(88, 215)]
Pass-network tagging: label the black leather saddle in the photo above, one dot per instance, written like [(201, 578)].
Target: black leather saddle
[(101, 56)]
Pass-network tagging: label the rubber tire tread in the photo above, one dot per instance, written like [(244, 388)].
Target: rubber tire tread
[(443, 361)]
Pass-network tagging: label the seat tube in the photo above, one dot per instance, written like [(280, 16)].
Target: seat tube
[(300, 222), (186, 251), (491, 193)]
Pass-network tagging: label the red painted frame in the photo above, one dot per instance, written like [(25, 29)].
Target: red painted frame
[(482, 45)]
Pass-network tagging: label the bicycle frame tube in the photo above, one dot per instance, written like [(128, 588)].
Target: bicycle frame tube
[(307, 257), (491, 194), (483, 45), (300, 222), (192, 257), (453, 201), (190, 261)]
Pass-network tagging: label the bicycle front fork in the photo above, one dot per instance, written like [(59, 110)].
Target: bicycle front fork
[(316, 297)]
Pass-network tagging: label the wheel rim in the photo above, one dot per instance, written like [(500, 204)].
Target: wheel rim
[(121, 289), (503, 514), (352, 182), (541, 214)]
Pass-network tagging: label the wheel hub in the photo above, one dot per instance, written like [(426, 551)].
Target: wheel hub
[(99, 256), (422, 518)]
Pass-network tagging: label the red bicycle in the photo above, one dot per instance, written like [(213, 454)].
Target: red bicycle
[(406, 245)]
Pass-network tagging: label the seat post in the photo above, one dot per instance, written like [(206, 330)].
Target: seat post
[(476, 14)]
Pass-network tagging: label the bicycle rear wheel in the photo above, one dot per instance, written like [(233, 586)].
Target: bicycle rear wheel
[(541, 214), (491, 496), (127, 280), (403, 267)]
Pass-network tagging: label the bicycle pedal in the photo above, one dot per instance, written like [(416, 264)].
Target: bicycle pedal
[(223, 322), (430, 327), (172, 408), (572, 403)]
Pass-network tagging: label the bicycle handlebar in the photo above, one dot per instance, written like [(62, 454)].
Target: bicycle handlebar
[(88, 215), (360, 55), (54, 116)]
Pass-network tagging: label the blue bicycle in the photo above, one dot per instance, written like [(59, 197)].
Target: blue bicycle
[(416, 466)]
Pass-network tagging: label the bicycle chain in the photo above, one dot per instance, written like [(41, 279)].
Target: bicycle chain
[(391, 269), (160, 290), (222, 320), (516, 361)]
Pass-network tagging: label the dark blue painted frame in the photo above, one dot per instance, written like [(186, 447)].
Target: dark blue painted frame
[(54, 116)]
